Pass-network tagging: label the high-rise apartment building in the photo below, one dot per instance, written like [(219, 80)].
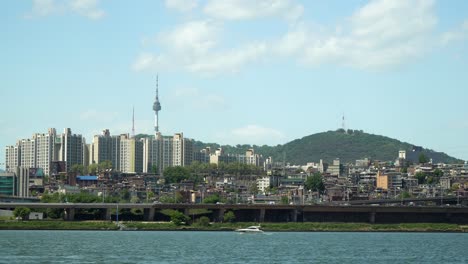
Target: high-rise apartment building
[(106, 147), (42, 149), (131, 155), (45, 149), (167, 151), (151, 155), (71, 147), (12, 157), (28, 153)]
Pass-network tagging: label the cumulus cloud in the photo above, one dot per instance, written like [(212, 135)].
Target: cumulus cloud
[(181, 5), (247, 9), (195, 47), (380, 34), (461, 32), (86, 8)]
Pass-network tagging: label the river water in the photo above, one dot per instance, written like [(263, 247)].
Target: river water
[(230, 247)]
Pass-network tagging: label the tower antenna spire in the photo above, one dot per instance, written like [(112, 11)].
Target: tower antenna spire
[(156, 107), (343, 124)]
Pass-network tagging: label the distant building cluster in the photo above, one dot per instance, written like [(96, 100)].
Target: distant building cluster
[(137, 165), (56, 153)]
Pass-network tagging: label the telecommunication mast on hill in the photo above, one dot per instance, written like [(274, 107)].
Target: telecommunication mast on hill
[(156, 108)]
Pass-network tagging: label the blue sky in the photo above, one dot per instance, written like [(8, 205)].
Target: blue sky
[(237, 71)]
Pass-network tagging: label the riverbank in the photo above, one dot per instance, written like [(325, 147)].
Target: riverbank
[(269, 227)]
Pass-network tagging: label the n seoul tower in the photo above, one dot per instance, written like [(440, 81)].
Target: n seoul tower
[(156, 108)]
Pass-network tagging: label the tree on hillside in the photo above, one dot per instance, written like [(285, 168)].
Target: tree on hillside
[(176, 174), (212, 199), (423, 158), (421, 176), (315, 183)]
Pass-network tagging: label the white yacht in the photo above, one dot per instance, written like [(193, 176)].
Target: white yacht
[(250, 229)]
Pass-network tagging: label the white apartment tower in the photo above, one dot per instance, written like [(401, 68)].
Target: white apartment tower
[(131, 155), (42, 149), (45, 149), (12, 157)]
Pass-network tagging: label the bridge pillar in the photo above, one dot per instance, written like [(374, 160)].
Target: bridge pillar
[(221, 215), (372, 217), (294, 215), (69, 214), (107, 214), (262, 215), (149, 214)]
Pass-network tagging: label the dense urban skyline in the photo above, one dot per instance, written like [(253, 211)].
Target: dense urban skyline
[(263, 72)]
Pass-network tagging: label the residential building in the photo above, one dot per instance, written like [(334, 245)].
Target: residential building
[(42, 149), (131, 155), (166, 151), (335, 168), (45, 149), (28, 153), (106, 148), (389, 180), (71, 148), (12, 157)]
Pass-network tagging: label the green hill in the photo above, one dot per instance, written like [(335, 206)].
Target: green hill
[(349, 146), (329, 145)]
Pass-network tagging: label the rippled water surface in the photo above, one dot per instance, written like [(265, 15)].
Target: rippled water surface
[(230, 247)]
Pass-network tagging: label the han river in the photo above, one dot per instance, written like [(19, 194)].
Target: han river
[(230, 247)]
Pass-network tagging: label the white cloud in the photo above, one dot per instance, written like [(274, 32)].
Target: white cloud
[(192, 38), (454, 35), (44, 8), (194, 46), (255, 134), (86, 8), (228, 61), (380, 34), (248, 9), (182, 5), (149, 61)]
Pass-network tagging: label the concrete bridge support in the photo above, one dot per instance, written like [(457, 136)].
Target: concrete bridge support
[(372, 217), (262, 215), (108, 214), (220, 217), (148, 214), (69, 214), (294, 215)]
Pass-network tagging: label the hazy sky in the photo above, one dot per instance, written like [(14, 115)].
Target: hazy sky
[(238, 71)]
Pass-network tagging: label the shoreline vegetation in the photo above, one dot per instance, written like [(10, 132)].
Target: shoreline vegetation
[(268, 227)]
